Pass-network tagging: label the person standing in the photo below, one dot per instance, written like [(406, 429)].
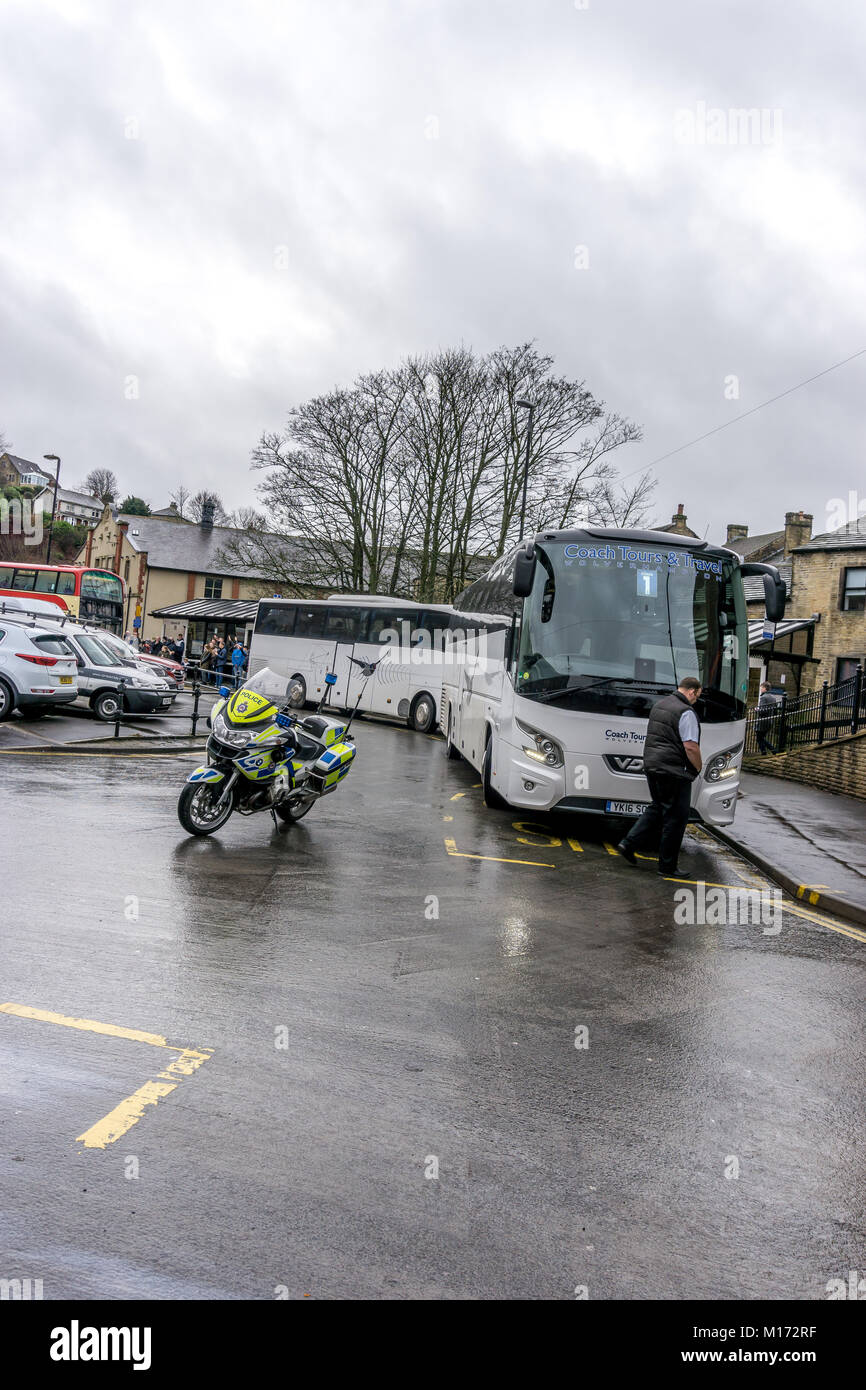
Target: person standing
[(220, 659), (767, 703), (237, 662), (672, 761)]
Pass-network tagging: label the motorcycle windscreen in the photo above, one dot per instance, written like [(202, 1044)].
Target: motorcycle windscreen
[(270, 684)]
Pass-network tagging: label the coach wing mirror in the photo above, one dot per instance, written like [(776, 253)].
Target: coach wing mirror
[(774, 594), (524, 571), (774, 588)]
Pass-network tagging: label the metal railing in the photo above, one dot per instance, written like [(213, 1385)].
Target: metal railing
[(819, 716), (193, 716)]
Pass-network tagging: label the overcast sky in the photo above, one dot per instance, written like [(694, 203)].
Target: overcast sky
[(227, 208)]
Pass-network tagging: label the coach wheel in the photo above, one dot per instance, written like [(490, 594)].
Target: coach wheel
[(491, 795), (296, 692), (452, 752), (422, 715)]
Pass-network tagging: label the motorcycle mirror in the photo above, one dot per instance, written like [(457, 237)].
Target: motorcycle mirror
[(330, 679)]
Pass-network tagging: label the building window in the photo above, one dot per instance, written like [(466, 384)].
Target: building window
[(213, 588), (854, 591), (846, 667), (126, 570)]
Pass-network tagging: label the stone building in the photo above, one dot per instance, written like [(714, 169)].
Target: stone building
[(678, 524), (167, 564), (829, 578), (787, 659)]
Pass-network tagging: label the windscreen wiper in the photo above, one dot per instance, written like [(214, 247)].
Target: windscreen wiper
[(590, 685)]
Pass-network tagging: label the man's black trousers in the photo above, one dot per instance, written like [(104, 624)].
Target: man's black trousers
[(664, 821)]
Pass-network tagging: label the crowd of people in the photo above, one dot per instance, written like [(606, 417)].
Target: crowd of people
[(221, 659)]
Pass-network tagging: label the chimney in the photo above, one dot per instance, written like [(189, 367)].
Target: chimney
[(678, 522), (798, 530), (736, 533), (122, 528), (207, 511)]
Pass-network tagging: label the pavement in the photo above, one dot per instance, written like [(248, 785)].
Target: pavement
[(811, 842), (409, 1048), (74, 726)]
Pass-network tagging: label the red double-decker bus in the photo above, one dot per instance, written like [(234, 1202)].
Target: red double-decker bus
[(90, 595)]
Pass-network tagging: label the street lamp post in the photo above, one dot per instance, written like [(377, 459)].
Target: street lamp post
[(53, 458), (528, 406)]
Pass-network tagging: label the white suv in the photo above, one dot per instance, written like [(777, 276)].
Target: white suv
[(38, 670)]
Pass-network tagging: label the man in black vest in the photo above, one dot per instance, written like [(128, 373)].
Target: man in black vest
[(672, 761)]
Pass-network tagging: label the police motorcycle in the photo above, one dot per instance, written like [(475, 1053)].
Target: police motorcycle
[(261, 756)]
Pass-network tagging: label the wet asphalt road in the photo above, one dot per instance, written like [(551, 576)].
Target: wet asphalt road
[(363, 1008)]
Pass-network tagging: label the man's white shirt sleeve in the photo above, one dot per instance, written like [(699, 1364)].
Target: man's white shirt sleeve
[(690, 730)]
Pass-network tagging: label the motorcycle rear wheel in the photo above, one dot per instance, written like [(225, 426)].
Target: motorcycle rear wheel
[(294, 810), (194, 808)]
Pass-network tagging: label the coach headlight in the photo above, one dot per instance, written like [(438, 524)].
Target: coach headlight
[(723, 764), (543, 749)]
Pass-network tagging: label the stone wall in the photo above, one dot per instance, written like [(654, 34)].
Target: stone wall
[(837, 766)]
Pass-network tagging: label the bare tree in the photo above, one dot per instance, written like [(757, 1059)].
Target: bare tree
[(180, 497), (620, 504), (202, 499), (408, 481), (101, 483)]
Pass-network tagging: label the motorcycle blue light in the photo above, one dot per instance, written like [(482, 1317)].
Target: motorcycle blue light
[(224, 691)]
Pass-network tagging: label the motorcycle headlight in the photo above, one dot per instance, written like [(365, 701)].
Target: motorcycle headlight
[(235, 738), (724, 764), (543, 749)]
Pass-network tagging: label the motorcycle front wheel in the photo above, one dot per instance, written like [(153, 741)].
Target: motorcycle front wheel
[(294, 810), (196, 808)]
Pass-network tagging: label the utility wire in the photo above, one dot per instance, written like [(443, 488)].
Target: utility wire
[(745, 414)]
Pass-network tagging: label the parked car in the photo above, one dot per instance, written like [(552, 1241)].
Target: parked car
[(38, 671), (104, 680), (172, 671)]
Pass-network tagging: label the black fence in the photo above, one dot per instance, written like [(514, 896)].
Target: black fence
[(821, 715), (200, 683)]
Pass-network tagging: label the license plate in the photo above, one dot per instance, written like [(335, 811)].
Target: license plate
[(166, 702), (625, 808), (65, 680)]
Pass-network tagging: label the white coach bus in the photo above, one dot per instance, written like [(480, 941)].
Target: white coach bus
[(303, 639), (587, 629)]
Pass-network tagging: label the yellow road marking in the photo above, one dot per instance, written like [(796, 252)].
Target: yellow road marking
[(576, 846), (129, 1111), (457, 796), (451, 848), (88, 1025), (611, 850), (124, 1115)]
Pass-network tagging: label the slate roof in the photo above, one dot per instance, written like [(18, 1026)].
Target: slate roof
[(850, 537), (188, 548), (745, 546), (753, 584)]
